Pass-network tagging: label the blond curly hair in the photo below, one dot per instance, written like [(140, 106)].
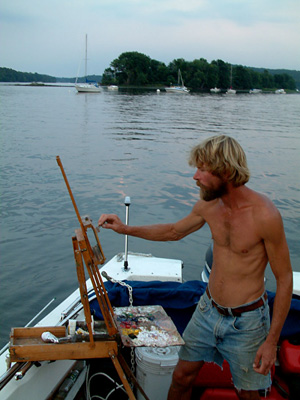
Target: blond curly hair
[(224, 157)]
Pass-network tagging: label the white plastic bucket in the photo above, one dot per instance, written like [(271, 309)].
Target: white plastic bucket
[(154, 368)]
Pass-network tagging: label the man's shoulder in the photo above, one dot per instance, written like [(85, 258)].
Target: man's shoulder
[(202, 206), (263, 207), (257, 198), (261, 199)]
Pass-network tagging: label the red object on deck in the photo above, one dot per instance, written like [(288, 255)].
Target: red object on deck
[(211, 375), (219, 386), (219, 394), (229, 394), (289, 358)]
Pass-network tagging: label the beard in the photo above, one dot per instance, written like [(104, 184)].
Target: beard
[(208, 194)]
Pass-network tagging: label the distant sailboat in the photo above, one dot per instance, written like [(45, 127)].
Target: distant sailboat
[(88, 87), (230, 90), (179, 88), (280, 91), (113, 87), (255, 91)]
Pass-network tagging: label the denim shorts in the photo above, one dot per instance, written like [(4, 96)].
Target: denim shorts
[(212, 337)]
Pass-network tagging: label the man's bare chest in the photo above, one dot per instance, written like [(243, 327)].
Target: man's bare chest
[(235, 230)]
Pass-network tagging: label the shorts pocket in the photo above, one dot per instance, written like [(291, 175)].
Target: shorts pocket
[(203, 304), (251, 321)]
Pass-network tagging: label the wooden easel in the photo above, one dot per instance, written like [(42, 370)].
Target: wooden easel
[(80, 251), (26, 345), (93, 256)]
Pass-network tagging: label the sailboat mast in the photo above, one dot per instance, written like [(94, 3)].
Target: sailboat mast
[(85, 56), (180, 79)]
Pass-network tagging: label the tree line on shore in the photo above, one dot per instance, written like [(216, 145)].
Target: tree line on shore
[(133, 68), (10, 75), (136, 69)]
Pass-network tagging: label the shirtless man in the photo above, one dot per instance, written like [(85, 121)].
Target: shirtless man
[(231, 320)]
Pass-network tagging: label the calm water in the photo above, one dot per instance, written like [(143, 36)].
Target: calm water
[(117, 144)]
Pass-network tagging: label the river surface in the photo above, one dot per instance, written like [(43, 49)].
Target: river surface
[(117, 144)]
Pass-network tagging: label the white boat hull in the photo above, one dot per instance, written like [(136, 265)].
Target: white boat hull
[(280, 91), (87, 88), (255, 91), (177, 89), (112, 87), (39, 382), (296, 283)]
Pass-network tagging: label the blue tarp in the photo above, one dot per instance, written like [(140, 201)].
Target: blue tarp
[(179, 301)]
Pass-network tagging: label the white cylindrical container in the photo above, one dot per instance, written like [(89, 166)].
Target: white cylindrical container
[(154, 368)]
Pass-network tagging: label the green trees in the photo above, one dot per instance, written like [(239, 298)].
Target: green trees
[(242, 78), (133, 68), (137, 69), (255, 79), (158, 72), (284, 81), (10, 75), (267, 80), (197, 73), (223, 74)]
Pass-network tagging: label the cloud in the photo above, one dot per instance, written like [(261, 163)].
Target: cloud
[(48, 37)]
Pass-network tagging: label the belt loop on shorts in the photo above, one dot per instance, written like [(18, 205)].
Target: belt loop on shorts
[(265, 298)]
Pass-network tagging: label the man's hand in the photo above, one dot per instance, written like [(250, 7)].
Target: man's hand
[(111, 221), (265, 358)]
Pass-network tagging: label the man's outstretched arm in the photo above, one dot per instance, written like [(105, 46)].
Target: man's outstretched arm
[(157, 232)]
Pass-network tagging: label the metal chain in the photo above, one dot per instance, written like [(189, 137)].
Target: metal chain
[(132, 360), (130, 298)]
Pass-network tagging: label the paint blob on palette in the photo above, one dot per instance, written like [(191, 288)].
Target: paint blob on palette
[(148, 326)]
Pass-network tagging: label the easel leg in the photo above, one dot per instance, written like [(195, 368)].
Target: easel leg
[(82, 288), (122, 376), (130, 374), (107, 311)]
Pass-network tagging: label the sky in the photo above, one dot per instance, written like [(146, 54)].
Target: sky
[(48, 36)]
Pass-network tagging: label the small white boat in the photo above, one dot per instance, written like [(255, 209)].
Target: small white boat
[(87, 87), (113, 87), (179, 88), (215, 90), (280, 91), (230, 90), (255, 91)]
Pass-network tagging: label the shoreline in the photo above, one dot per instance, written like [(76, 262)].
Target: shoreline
[(133, 87)]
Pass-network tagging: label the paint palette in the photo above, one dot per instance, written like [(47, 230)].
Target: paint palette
[(147, 326)]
